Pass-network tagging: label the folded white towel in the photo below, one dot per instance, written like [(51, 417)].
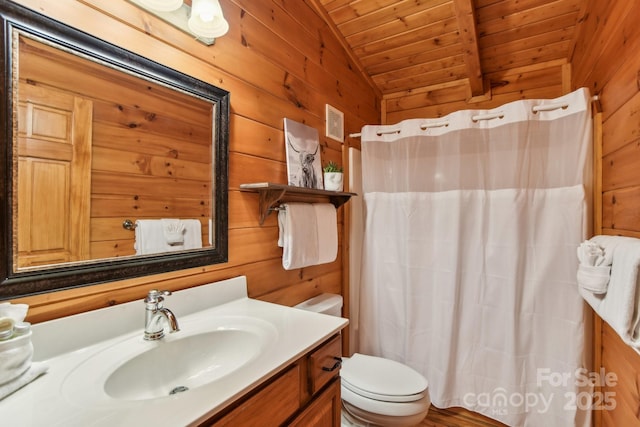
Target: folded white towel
[(36, 369), (327, 222), (620, 305), (308, 234), (299, 235)]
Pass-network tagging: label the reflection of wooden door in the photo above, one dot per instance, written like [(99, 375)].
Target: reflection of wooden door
[(54, 176)]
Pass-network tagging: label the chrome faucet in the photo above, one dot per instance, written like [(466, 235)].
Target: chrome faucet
[(155, 313)]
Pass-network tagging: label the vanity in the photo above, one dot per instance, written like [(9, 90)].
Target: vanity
[(234, 361)]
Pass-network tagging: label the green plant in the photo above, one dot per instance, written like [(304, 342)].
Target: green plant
[(332, 167)]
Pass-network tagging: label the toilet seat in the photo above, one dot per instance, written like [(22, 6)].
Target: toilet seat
[(392, 409), (382, 396), (382, 379)]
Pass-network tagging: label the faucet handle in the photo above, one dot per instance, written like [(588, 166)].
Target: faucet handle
[(155, 296)]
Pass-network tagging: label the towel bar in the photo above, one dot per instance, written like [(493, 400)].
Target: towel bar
[(127, 224)]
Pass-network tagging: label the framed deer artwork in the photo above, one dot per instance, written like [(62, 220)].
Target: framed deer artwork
[(304, 168)]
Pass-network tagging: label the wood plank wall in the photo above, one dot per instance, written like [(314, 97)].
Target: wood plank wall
[(534, 81), (606, 60), (543, 80), (278, 60)]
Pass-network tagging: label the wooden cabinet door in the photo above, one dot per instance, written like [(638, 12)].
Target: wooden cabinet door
[(54, 176), (324, 411)]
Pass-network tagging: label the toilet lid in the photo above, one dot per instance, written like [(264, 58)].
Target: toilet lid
[(382, 379)]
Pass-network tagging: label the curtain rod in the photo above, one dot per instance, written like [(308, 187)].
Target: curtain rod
[(499, 115)]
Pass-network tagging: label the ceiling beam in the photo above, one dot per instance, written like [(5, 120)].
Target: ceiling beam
[(465, 14)]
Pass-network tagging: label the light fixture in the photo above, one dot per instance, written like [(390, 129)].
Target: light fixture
[(162, 5), (203, 20), (206, 19)]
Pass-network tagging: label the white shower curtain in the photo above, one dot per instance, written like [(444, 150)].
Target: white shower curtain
[(469, 258)]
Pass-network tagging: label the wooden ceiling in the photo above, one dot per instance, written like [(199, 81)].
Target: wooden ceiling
[(409, 44)]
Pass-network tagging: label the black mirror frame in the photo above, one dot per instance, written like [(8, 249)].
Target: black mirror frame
[(23, 283)]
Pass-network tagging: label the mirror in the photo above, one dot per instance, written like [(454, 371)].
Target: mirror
[(96, 140)]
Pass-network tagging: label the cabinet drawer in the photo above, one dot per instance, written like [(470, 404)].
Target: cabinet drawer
[(324, 363)]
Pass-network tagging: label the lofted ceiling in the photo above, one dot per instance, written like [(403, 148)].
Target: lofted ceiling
[(409, 44)]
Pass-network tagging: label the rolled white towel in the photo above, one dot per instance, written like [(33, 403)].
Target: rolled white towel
[(594, 278), (591, 254), (594, 270)]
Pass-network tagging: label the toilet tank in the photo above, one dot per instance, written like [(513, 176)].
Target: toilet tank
[(330, 304)]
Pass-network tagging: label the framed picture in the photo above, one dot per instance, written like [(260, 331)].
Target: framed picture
[(334, 123), (304, 168)]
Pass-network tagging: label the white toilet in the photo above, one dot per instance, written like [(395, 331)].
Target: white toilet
[(375, 391)]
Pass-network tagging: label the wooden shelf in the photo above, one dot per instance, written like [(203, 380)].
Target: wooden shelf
[(273, 194)]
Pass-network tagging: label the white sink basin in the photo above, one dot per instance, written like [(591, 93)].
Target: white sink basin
[(202, 352), (183, 364)]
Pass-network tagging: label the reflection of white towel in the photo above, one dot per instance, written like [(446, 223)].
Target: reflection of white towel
[(308, 234), (192, 234), (36, 369), (150, 237), (620, 305), (173, 230)]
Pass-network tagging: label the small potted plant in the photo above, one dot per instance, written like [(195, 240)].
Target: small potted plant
[(332, 177)]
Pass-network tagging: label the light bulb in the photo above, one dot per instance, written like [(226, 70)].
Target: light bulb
[(207, 20), (162, 5)]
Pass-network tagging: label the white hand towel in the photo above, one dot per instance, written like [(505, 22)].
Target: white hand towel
[(327, 221), (36, 369), (619, 307), (299, 235)]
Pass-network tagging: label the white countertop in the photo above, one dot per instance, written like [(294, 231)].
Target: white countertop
[(66, 343)]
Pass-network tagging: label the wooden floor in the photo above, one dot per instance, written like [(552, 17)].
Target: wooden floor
[(457, 417)]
